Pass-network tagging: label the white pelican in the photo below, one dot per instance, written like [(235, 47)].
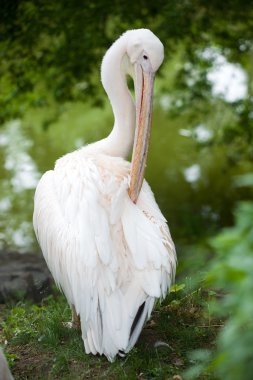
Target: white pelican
[(100, 229)]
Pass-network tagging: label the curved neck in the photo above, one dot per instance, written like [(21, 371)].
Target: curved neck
[(113, 75)]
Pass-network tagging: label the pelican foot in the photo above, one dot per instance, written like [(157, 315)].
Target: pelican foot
[(72, 325)]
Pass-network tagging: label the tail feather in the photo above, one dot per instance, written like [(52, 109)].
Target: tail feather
[(136, 319), (140, 318), (110, 343), (142, 315)]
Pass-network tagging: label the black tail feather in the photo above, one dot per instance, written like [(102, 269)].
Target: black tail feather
[(134, 324), (136, 319)]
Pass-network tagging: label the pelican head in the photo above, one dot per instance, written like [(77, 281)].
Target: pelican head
[(145, 52), (143, 47)]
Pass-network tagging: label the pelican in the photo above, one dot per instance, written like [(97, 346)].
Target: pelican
[(100, 229)]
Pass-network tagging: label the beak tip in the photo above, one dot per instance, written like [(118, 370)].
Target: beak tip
[(134, 200)]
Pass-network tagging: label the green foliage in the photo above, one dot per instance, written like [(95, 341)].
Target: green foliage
[(11, 359), (176, 288), (231, 274)]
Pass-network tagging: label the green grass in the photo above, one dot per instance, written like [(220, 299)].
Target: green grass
[(40, 347)]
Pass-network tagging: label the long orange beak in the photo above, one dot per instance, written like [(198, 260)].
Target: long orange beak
[(144, 84)]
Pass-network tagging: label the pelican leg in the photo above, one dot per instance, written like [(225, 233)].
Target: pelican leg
[(75, 320)]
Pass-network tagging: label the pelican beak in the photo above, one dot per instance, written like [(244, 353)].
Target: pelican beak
[(144, 84)]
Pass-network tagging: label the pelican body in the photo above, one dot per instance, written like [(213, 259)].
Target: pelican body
[(100, 229)]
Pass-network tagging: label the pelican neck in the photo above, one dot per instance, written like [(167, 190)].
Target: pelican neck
[(113, 76)]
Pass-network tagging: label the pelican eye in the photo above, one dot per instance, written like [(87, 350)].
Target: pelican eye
[(145, 57)]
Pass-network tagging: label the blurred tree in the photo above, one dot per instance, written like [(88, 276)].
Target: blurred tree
[(50, 50)]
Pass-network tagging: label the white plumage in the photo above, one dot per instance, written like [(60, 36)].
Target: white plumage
[(111, 258)]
